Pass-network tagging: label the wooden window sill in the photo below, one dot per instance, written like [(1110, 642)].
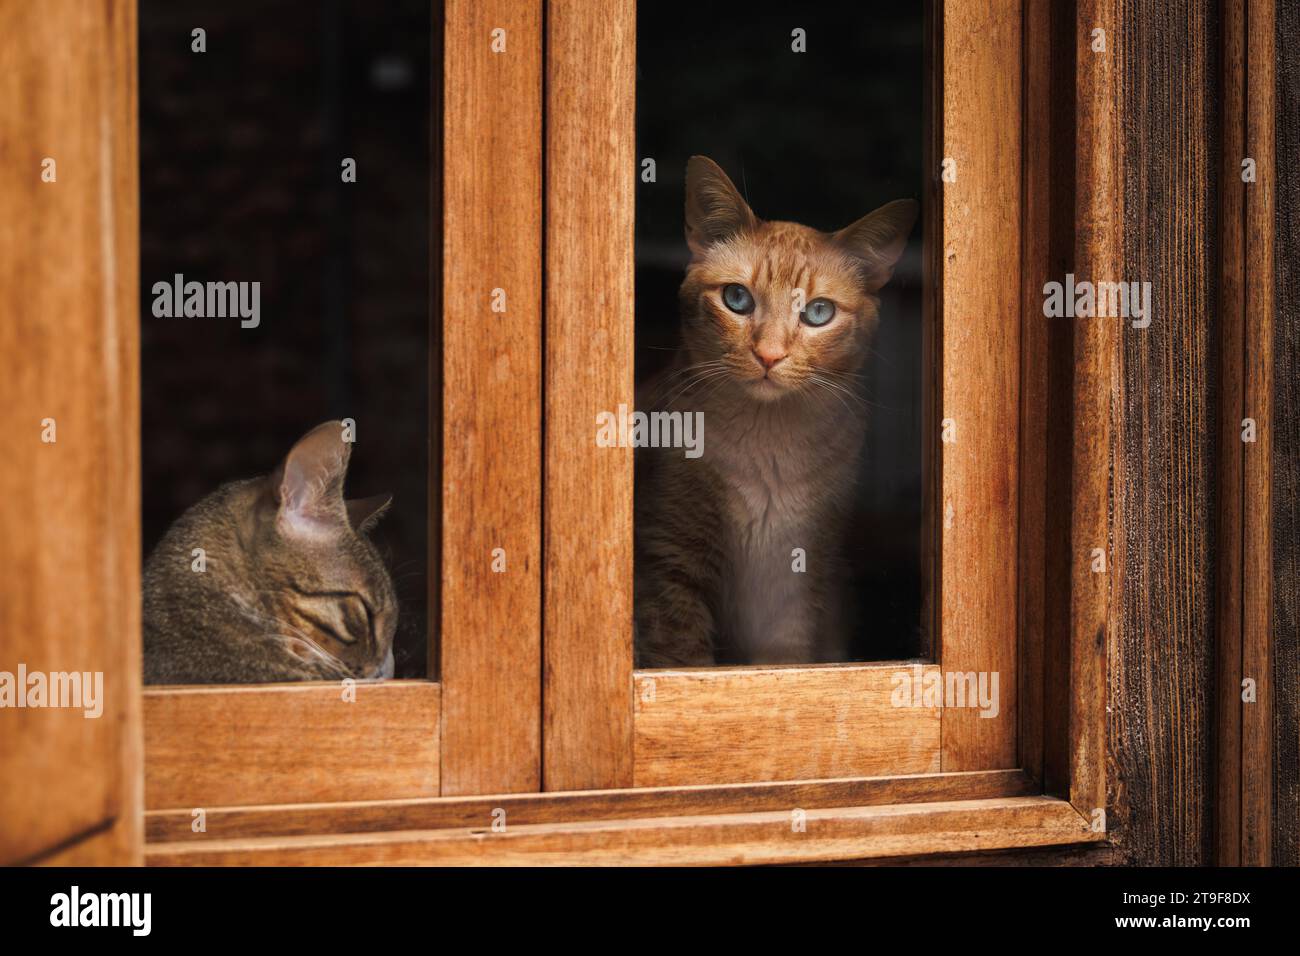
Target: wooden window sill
[(838, 833)]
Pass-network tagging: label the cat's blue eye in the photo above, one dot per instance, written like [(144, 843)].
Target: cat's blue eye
[(819, 312), (738, 298)]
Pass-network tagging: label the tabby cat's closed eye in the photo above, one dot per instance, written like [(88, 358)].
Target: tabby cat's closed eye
[(294, 589)]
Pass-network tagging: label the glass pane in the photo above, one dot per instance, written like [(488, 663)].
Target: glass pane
[(779, 307), (285, 214)]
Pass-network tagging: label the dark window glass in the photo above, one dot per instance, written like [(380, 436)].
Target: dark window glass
[(821, 138), (242, 149)]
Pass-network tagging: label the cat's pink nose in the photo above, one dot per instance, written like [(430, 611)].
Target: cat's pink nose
[(768, 356)]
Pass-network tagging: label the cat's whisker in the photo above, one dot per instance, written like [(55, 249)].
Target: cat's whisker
[(319, 655), (842, 393), (824, 386), (699, 379), (863, 407), (674, 378), (836, 373), (712, 383), (834, 377), (839, 387), (696, 366), (717, 386), (839, 373)]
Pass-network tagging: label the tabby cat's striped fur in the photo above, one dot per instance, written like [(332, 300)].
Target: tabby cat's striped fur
[(288, 587)]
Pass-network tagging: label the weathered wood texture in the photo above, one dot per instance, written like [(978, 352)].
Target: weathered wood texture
[(492, 413), (1232, 321), (1162, 669), (293, 743), (1161, 673), (1095, 502), (69, 351), (1257, 391), (1286, 446), (1161, 680)]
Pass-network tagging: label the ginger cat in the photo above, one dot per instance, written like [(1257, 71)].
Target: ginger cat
[(777, 319)]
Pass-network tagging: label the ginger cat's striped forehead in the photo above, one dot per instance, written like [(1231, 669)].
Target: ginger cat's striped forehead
[(778, 305), (780, 260)]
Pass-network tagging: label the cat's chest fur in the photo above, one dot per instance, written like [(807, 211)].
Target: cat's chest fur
[(787, 469)]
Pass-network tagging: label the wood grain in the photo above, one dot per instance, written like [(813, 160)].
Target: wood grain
[(69, 351), (980, 370), (289, 743), (1099, 218), (1257, 471), (491, 462), (163, 826), (590, 135), (1232, 309), (1286, 449), (1035, 271), (729, 725), (1161, 685), (745, 838)]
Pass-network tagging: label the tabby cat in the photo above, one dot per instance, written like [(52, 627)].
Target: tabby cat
[(777, 319), (288, 586)]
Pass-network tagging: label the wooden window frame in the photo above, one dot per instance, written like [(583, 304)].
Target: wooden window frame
[(691, 727), (695, 730), (698, 726), (569, 763), (477, 727), (69, 344)]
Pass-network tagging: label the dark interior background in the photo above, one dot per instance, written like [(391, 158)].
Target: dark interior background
[(240, 153), (821, 138)]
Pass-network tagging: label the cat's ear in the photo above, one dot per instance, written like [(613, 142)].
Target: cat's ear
[(308, 485), (364, 513), (714, 209), (878, 239)]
